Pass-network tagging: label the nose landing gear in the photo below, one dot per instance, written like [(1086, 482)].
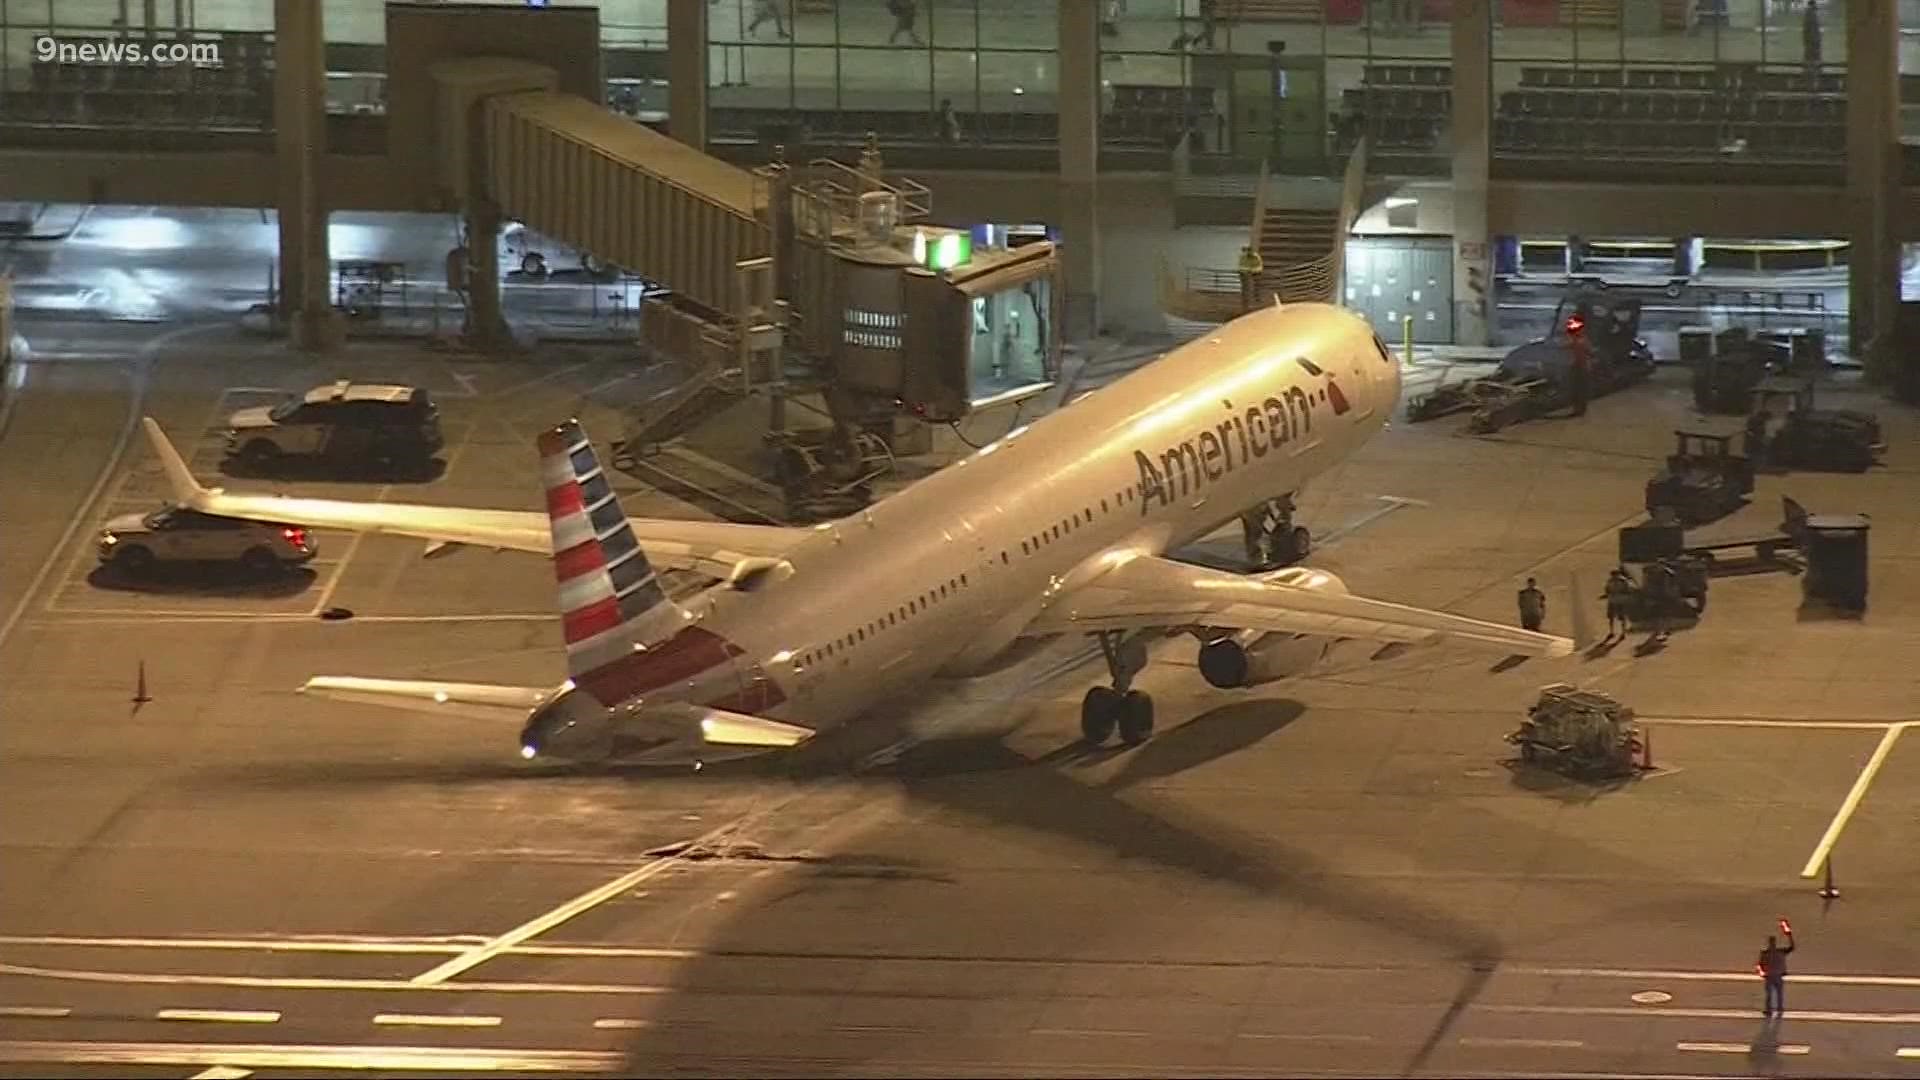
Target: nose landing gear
[(1106, 708)]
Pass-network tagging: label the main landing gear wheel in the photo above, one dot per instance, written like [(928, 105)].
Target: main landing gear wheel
[(1136, 718), (1099, 712), (1299, 544)]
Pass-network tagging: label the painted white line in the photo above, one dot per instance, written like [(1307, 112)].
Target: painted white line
[(1912, 981), (221, 1016), (1305, 1037), (1741, 1048), (1543, 1044), (1812, 1015), (538, 925), (35, 1012), (222, 1072), (434, 1020), (617, 1023), (327, 945), (1907, 1052), (264, 982), (1756, 722), (1824, 849), (427, 1059), (340, 571), (1103, 1033)]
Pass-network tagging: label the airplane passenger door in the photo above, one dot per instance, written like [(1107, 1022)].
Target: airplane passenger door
[(1360, 373)]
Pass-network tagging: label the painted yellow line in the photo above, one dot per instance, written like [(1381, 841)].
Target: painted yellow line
[(1824, 849), (428, 1059), (434, 1020), (35, 1012), (221, 1016), (1742, 1048), (1907, 1052)]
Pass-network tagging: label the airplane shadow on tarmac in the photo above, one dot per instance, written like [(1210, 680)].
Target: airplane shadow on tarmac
[(204, 579)]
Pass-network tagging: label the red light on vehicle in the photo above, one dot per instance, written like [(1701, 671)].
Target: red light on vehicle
[(296, 537), (1575, 324)]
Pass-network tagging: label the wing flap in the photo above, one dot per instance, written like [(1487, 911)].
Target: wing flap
[(1150, 591), (719, 727), (478, 701)]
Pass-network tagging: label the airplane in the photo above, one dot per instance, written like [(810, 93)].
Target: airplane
[(1056, 534)]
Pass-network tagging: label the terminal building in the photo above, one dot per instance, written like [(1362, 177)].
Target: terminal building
[(1408, 157)]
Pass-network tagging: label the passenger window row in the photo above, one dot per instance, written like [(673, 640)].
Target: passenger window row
[(859, 635)]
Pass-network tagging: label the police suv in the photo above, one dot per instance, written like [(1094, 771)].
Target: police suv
[(357, 423)]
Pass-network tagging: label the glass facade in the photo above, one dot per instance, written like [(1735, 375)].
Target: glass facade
[(1010, 339), (1290, 82)]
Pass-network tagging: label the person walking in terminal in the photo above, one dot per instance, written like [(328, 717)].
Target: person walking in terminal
[(1533, 606), (905, 14), (765, 10), (1773, 972)]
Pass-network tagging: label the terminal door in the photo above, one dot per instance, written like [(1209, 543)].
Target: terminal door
[(1280, 111), (1390, 278)]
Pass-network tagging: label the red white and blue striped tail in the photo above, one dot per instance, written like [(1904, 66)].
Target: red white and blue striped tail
[(611, 602)]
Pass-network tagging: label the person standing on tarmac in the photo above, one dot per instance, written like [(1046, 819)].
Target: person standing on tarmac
[(1533, 607), (1617, 595), (1773, 972)]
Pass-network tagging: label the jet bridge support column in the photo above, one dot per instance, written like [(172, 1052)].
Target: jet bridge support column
[(486, 329), (299, 111), (1472, 126), (1079, 107), (687, 72), (1873, 175)]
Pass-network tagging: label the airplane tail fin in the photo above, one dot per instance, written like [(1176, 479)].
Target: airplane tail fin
[(1582, 621), (186, 490), (611, 601)]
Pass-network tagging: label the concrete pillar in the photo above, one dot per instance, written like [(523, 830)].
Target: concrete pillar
[(1079, 105), (687, 72), (1472, 124), (300, 133), (1873, 170)]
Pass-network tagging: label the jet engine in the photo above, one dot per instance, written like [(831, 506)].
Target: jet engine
[(1256, 657)]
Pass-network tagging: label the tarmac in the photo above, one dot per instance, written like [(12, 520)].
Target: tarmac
[(1342, 874)]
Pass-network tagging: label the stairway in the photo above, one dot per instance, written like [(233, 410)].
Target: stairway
[(1296, 248), (680, 410)]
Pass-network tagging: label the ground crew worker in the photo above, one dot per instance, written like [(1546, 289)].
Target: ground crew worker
[(1580, 375), (1773, 972), (1618, 595), (1251, 267), (1661, 589), (1533, 607)]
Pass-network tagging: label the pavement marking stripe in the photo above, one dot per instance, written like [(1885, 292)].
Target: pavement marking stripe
[(35, 1012), (1824, 848), (1701, 1014), (1308, 1037), (435, 1020), (269, 982), (1742, 1048), (617, 1023), (427, 1059), (1710, 976), (222, 1072), (1544, 1044), (221, 1016), (1104, 1033), (584, 902), (1908, 1052)]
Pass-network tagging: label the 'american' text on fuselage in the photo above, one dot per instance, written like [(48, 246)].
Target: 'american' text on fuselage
[(1187, 466)]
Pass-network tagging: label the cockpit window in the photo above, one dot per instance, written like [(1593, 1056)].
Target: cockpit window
[(1381, 347)]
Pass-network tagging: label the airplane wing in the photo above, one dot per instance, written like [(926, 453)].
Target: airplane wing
[(477, 701), (1149, 591), (712, 548)]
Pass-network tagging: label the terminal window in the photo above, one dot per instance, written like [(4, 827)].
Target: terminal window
[(1011, 339)]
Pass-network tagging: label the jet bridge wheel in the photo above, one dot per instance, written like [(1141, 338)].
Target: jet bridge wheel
[(1100, 710)]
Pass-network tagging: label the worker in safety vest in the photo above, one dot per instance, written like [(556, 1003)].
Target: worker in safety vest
[(1251, 267)]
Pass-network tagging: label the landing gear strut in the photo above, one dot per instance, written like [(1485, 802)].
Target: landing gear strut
[(1118, 706), (1273, 540)]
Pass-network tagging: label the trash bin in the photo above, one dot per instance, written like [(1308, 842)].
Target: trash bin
[(1837, 560)]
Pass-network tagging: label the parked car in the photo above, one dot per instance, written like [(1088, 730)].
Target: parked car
[(361, 423), (134, 543)]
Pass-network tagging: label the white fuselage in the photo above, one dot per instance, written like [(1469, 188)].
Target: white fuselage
[(942, 577)]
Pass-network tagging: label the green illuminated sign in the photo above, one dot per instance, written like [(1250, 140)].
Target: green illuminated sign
[(944, 251)]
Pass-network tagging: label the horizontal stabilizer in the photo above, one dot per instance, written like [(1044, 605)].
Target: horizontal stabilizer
[(480, 701)]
